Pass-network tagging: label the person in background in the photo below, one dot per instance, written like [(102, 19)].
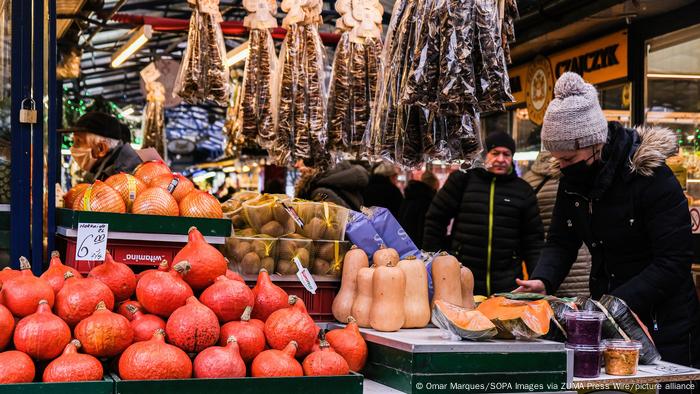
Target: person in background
[(419, 195), (342, 184), (544, 179), (382, 190), (99, 146), (274, 186), (618, 196), (496, 224)]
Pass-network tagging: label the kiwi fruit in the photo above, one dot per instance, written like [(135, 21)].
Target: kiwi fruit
[(273, 229), (304, 256), (315, 228), (241, 250), (280, 214), (238, 221), (286, 249), (250, 263), (249, 232), (326, 251), (320, 267), (268, 263), (286, 267), (332, 232), (263, 248)]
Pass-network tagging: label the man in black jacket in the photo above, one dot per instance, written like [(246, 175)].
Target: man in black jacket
[(496, 224), (619, 197), (101, 146), (419, 196)]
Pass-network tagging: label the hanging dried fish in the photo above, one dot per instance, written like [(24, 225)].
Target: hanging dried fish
[(217, 86), (508, 27), (288, 86), (154, 118), (339, 93), (189, 78), (495, 86)]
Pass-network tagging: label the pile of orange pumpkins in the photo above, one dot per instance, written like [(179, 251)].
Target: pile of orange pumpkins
[(189, 318), (152, 190)]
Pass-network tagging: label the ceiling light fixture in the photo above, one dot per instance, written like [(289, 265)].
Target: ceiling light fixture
[(237, 54), (673, 76), (137, 40)]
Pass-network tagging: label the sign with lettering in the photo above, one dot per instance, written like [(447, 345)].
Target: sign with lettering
[(91, 244), (598, 61)]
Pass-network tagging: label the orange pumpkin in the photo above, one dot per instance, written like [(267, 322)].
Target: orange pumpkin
[(42, 335), (104, 333)]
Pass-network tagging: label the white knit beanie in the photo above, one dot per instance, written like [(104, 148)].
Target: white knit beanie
[(574, 119)]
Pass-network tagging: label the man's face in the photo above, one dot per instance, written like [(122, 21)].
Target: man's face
[(499, 160), (567, 158), (81, 139)]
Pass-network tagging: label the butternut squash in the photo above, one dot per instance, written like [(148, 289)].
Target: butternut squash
[(354, 260), (363, 301), (416, 302), (385, 256), (388, 290), (466, 279), (446, 279)]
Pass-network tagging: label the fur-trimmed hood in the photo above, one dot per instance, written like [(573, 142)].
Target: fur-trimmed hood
[(656, 145)]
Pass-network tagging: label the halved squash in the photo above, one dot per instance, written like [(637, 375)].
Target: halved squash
[(516, 318), (467, 324)]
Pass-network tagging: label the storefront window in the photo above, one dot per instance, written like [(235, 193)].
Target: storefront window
[(673, 93)]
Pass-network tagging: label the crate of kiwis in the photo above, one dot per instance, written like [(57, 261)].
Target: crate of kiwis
[(247, 255), (267, 215), (233, 208), (322, 220), (290, 247), (328, 257)]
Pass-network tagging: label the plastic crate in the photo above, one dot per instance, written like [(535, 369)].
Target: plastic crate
[(318, 305), (139, 255)]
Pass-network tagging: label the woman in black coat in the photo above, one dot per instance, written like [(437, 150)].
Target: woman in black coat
[(619, 197)]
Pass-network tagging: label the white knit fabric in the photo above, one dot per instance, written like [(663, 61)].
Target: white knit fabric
[(574, 119)]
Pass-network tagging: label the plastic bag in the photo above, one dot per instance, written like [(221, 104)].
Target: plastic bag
[(421, 87), (457, 81), (154, 118), (267, 215), (493, 87), (508, 27), (256, 82), (317, 94), (287, 87), (557, 329), (622, 323), (188, 83), (360, 232), (391, 232), (217, 88), (339, 94)]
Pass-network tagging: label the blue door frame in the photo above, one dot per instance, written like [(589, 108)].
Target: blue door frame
[(27, 142)]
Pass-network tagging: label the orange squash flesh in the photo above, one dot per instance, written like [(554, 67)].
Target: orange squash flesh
[(515, 318)]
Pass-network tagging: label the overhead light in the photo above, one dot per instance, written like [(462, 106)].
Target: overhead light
[(137, 40), (237, 54), (673, 76)]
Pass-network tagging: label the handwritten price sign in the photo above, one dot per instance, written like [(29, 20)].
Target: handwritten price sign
[(92, 241)]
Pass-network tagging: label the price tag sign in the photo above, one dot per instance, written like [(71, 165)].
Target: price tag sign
[(305, 277), (92, 242)]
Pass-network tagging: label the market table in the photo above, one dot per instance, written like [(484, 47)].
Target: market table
[(420, 360), (649, 379)]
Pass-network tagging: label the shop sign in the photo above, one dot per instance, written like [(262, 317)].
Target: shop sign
[(598, 61), (539, 89)]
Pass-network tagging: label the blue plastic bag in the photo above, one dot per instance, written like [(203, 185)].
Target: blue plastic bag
[(391, 232), (360, 232)]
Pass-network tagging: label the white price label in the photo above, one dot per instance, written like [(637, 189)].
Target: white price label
[(92, 241), (305, 277)]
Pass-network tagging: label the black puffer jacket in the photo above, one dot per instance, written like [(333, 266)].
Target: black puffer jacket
[(381, 192), (342, 185), (415, 205), (496, 226), (634, 219)]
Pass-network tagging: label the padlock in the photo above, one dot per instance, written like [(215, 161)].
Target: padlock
[(28, 115)]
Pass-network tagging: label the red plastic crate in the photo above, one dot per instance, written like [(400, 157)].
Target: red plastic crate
[(318, 305), (139, 255)]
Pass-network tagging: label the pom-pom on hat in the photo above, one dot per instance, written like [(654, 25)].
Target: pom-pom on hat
[(574, 119)]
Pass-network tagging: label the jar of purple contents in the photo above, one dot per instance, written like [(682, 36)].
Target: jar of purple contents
[(583, 327), (587, 360)]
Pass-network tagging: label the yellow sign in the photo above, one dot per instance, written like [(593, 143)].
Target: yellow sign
[(598, 61), (539, 89)]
